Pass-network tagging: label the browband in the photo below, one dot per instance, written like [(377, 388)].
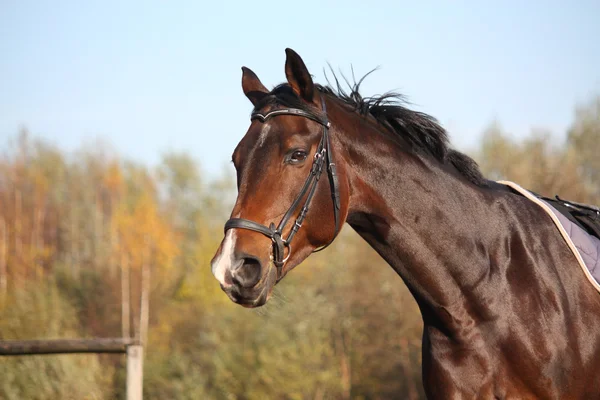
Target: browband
[(291, 111)]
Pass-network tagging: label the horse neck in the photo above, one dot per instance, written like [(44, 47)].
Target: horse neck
[(423, 218)]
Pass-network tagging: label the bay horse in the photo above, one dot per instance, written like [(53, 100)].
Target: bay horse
[(506, 311)]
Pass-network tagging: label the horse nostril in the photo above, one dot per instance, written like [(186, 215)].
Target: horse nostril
[(247, 275)]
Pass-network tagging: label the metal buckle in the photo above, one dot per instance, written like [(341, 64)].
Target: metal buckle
[(285, 244), (289, 246), (320, 154)]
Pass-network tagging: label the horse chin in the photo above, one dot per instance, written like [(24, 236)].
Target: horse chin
[(254, 305), (256, 296)]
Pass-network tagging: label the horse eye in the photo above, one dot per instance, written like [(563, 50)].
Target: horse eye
[(297, 156)]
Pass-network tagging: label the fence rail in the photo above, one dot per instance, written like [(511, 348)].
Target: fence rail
[(65, 346)]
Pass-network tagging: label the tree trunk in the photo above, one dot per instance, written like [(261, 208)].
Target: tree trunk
[(125, 296), (345, 366), (406, 365), (346, 376), (145, 295), (17, 231), (112, 262), (74, 256), (37, 241), (98, 256), (3, 270)]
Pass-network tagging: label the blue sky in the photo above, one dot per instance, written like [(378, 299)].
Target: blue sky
[(150, 76)]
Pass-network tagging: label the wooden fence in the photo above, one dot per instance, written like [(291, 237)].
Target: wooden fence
[(132, 348)]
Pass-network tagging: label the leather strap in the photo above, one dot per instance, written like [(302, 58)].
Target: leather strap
[(290, 111), (247, 224)]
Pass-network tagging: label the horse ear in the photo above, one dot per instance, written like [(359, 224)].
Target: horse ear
[(252, 86), (298, 76)]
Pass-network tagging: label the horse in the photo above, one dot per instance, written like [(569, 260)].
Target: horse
[(506, 311)]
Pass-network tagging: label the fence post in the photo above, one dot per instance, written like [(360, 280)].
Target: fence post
[(135, 355)]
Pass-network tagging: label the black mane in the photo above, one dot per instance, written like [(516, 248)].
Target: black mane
[(423, 132)]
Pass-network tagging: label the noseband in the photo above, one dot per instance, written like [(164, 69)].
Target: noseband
[(322, 155)]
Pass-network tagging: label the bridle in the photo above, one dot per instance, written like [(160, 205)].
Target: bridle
[(322, 155)]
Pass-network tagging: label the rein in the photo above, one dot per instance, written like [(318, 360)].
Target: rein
[(322, 156)]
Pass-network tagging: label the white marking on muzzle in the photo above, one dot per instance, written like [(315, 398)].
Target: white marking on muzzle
[(224, 261)]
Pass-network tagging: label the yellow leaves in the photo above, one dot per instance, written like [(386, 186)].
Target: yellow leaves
[(40, 183), (201, 286), (113, 179), (143, 233)]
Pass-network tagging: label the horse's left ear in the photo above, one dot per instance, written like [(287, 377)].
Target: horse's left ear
[(252, 86), (298, 76)]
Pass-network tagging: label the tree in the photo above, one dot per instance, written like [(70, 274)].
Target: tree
[(536, 162), (584, 138)]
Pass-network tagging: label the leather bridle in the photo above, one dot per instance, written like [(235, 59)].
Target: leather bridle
[(322, 155)]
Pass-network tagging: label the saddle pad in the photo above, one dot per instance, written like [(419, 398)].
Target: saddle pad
[(584, 246)]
